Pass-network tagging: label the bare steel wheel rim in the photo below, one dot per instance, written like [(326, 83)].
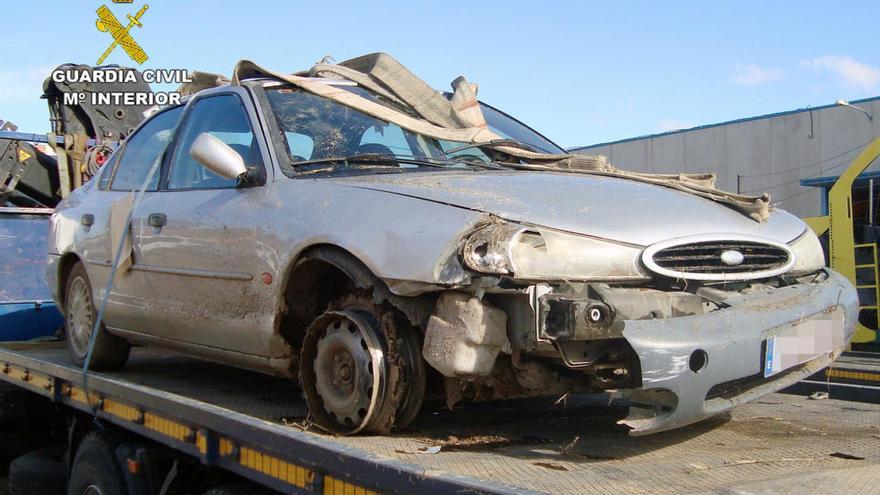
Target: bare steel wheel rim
[(79, 315), (349, 371)]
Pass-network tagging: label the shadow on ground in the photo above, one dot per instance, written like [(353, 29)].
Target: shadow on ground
[(581, 428)]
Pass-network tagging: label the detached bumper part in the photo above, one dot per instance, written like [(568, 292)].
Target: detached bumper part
[(697, 366)]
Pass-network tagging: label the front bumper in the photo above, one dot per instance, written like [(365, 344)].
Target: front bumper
[(734, 340)]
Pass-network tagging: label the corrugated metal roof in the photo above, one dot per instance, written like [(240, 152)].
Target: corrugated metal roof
[(729, 122)]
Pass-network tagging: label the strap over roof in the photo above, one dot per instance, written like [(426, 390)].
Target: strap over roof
[(460, 119)]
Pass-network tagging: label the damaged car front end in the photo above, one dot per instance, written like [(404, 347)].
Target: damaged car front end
[(682, 329), (681, 306)]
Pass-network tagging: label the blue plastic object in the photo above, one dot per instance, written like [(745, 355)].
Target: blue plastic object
[(26, 308), (29, 321)]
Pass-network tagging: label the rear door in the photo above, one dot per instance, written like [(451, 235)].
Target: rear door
[(199, 242), (128, 306)]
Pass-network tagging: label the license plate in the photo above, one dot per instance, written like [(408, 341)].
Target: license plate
[(803, 341)]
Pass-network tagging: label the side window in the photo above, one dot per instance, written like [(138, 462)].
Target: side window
[(225, 118), (142, 150), (106, 171)]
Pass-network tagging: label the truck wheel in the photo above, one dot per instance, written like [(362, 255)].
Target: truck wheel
[(95, 468), (361, 369), (110, 352), (42, 472)]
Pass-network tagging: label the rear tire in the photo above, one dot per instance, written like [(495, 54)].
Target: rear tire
[(95, 468), (42, 472), (110, 352)]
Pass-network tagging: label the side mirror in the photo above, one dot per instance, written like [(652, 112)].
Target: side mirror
[(217, 156)]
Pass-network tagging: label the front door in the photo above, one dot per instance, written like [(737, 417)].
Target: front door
[(198, 240)]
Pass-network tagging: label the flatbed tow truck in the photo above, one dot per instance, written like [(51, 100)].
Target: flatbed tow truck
[(255, 427), (168, 423)]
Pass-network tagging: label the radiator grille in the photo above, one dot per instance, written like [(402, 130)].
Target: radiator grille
[(721, 259)]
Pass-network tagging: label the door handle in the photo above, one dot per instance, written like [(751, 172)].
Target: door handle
[(87, 220), (157, 220)]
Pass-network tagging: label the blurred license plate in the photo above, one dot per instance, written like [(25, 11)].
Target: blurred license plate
[(803, 341)]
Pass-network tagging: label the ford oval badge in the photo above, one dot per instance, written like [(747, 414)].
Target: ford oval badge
[(732, 257)]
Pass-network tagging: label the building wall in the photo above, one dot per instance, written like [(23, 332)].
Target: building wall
[(763, 154)]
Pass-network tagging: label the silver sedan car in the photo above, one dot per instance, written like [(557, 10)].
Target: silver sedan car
[(286, 233)]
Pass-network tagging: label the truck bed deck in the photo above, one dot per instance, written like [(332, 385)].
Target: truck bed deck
[(780, 443)]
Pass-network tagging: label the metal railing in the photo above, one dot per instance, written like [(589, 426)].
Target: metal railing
[(875, 276)]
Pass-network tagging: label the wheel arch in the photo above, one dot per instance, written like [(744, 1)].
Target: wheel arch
[(65, 265), (320, 275)]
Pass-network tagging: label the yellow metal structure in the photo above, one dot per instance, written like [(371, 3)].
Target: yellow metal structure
[(875, 285), (839, 224)]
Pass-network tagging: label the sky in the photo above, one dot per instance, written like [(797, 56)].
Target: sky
[(579, 72)]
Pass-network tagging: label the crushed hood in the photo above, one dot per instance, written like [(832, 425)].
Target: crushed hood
[(460, 119), (607, 207)]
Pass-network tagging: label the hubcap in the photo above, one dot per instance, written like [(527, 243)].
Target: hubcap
[(79, 315), (345, 373)]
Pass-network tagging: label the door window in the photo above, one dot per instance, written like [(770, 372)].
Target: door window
[(106, 171), (225, 118), (144, 149)]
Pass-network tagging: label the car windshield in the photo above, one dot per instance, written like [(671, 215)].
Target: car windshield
[(324, 136), (509, 128)]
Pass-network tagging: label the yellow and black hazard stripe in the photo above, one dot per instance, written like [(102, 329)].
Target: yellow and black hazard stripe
[(228, 450), (855, 375)]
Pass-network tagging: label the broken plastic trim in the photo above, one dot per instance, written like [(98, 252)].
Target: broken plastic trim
[(487, 249)]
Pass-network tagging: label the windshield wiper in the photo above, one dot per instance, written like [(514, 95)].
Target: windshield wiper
[(494, 143), (444, 163), (385, 159)]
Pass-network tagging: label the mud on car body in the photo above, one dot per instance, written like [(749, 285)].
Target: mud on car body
[(292, 229)]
